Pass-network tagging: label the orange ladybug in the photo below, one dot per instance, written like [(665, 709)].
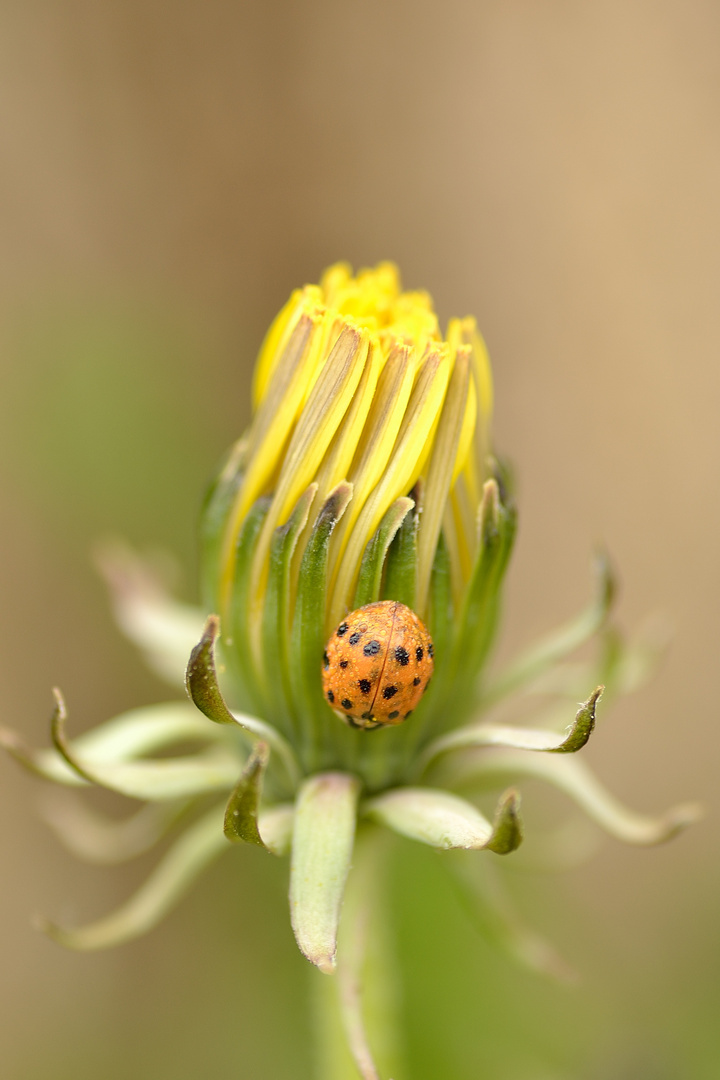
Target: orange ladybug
[(377, 665)]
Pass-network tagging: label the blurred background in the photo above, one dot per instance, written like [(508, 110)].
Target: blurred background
[(169, 172)]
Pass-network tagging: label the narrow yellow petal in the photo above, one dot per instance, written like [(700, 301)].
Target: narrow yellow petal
[(276, 338), (483, 374), (269, 434), (441, 469), (329, 400), (342, 450), (381, 429), (400, 474)]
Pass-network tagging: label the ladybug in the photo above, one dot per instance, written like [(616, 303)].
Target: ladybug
[(377, 665)]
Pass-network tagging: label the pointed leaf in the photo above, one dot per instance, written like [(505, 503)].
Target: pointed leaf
[(497, 524), (130, 735), (373, 560), (154, 780), (572, 776), (308, 630), (204, 689), (237, 633), (401, 564), (507, 831), (144, 731), (441, 605), (214, 517), (446, 821), (276, 614), (441, 468), (519, 738), (479, 615), (323, 836), (241, 814), (187, 858), (201, 676)]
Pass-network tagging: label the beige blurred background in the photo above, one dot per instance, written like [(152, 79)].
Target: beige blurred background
[(169, 172)]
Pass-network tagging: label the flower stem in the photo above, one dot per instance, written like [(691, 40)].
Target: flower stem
[(359, 1003)]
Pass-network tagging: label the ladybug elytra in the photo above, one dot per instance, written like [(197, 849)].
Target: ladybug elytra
[(377, 665)]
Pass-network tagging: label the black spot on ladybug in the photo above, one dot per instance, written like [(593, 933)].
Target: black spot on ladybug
[(419, 653), (408, 713), (402, 656), (354, 638), (393, 715), (372, 648), (342, 629), (326, 661), (431, 650), (346, 703), (344, 663), (365, 685), (331, 696), (416, 681), (368, 716), (390, 691)]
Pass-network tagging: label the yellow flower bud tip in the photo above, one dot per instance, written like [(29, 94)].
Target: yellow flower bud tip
[(354, 383)]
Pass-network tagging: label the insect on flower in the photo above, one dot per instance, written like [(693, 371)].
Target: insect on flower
[(365, 484), (377, 665)]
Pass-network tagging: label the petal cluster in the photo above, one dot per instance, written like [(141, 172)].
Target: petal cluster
[(360, 476)]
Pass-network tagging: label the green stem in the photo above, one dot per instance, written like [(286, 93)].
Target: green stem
[(356, 1009)]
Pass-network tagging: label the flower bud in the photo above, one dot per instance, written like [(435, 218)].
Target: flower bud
[(364, 476)]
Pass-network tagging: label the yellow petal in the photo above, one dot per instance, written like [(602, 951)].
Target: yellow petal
[(399, 475)]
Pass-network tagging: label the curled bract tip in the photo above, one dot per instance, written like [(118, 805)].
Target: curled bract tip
[(201, 676), (507, 833), (446, 821)]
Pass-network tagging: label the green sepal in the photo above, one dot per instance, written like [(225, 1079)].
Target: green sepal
[(373, 560), (241, 813), (276, 614), (201, 676), (214, 516), (204, 690), (446, 821), (517, 738), (132, 734), (440, 618), (571, 775), (322, 846), (507, 831), (59, 740), (479, 615), (582, 727), (401, 562), (159, 780), (236, 640), (307, 637)]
